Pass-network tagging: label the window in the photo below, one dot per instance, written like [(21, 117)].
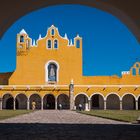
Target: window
[(133, 71), (55, 44), (137, 65), (52, 72), (139, 71), (49, 44), (21, 38), (77, 43), (52, 32)]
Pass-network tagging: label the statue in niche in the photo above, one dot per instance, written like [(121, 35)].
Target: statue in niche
[(52, 72)]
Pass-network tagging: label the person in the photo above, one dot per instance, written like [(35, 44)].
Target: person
[(60, 107), (80, 107), (33, 105)]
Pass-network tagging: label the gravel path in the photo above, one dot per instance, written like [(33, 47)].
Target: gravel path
[(59, 117)]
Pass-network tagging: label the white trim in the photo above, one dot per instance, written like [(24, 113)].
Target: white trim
[(81, 93), (128, 94), (112, 93), (48, 94), (46, 70), (7, 94), (62, 94), (137, 98), (96, 93)]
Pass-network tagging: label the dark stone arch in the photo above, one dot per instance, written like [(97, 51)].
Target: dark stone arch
[(37, 99), (128, 102), (97, 101), (63, 99), (113, 102), (9, 19), (22, 101), (81, 99), (8, 101), (49, 101)]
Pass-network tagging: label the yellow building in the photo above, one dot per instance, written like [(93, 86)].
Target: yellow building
[(49, 73)]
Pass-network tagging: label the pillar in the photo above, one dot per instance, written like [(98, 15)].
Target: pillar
[(14, 104), (55, 103), (136, 104), (120, 104), (86, 104), (28, 104), (71, 94), (89, 104), (104, 104), (41, 103), (0, 103)]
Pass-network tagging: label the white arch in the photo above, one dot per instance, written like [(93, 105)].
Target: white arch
[(81, 93), (61, 94), (21, 94), (112, 93), (128, 94), (34, 94), (46, 69), (138, 97), (48, 94), (96, 93), (7, 94)]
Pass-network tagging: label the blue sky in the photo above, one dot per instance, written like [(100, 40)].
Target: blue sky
[(108, 45)]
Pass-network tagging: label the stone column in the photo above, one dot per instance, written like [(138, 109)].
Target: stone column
[(14, 104), (86, 105), (0, 103), (41, 103), (89, 105), (120, 104), (104, 104), (71, 95), (55, 103), (136, 104), (28, 104)]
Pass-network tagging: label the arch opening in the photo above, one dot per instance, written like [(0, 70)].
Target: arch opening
[(113, 102), (37, 99), (49, 101), (97, 102), (128, 102), (63, 99), (22, 101), (81, 99)]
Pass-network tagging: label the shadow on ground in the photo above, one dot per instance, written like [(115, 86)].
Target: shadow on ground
[(69, 132)]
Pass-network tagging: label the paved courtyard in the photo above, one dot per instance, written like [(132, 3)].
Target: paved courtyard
[(65, 125)]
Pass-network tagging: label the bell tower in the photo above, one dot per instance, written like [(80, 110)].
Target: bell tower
[(23, 43)]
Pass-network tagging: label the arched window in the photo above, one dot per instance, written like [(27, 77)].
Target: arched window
[(52, 72), (52, 32), (77, 43), (137, 65), (55, 44), (133, 71), (49, 44), (21, 38)]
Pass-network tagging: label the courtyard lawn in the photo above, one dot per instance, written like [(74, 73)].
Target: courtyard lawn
[(124, 115), (4, 114)]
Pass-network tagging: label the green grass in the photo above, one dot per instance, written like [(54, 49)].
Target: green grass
[(124, 115), (4, 114)]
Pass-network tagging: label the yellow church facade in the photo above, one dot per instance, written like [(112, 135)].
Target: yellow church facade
[(49, 74)]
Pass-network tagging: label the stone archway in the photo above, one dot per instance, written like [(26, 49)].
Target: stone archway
[(22, 101), (81, 99), (8, 101), (37, 99), (112, 102), (97, 102), (49, 101), (128, 102), (63, 99)]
